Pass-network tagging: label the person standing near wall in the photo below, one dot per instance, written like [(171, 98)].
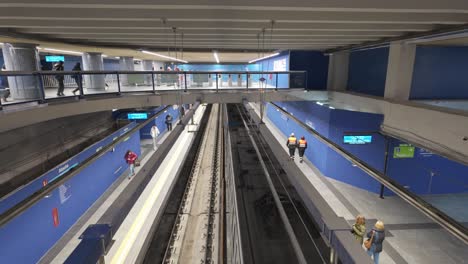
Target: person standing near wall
[(359, 229), (60, 78), (292, 144), (169, 122), (376, 237), (154, 134), (77, 77), (130, 158), (302, 147)]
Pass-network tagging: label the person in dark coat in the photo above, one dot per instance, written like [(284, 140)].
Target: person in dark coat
[(377, 234), (60, 78), (4, 83), (169, 122), (77, 77)]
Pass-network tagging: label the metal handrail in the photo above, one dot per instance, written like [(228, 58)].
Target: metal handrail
[(26, 73)]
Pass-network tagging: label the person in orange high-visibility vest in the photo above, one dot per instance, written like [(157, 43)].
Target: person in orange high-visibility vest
[(292, 145), (302, 147)]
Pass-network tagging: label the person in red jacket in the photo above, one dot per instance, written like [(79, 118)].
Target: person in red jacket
[(130, 158)]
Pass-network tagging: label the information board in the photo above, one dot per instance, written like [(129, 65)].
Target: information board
[(279, 65), (357, 139), (403, 151), (50, 58), (137, 115)]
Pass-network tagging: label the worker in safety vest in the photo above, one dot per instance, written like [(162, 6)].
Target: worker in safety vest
[(292, 145), (302, 147)]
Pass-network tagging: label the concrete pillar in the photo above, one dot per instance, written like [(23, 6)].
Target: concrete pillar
[(148, 66), (400, 70), (338, 71), (125, 64), (22, 57), (92, 61)]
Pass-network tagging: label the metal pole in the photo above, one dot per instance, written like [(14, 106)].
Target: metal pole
[(80, 84), (216, 82), (118, 83), (152, 82), (41, 89), (382, 187), (276, 82), (247, 80), (185, 81), (333, 256)]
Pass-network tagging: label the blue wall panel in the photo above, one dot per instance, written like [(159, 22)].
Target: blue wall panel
[(268, 65), (416, 173), (440, 73), (69, 62), (316, 65), (368, 71), (32, 233), (330, 163), (59, 170)]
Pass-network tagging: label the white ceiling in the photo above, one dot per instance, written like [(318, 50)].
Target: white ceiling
[(226, 25)]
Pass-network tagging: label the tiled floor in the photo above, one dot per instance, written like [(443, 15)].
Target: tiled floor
[(411, 236)]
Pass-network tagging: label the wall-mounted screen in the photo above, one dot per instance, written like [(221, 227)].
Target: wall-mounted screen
[(357, 139), (137, 115), (54, 58)]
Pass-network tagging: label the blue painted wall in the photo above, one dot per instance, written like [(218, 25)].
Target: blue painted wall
[(415, 173), (59, 170), (31, 234), (333, 124), (316, 65), (368, 71), (268, 65), (145, 132), (440, 73), (330, 163)]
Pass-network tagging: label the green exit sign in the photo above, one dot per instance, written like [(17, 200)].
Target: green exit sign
[(403, 151)]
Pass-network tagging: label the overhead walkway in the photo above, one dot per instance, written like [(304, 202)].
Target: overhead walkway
[(118, 90)]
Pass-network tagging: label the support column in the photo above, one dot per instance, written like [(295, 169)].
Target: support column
[(338, 71), (400, 70), (22, 57), (148, 66), (92, 61), (125, 64)]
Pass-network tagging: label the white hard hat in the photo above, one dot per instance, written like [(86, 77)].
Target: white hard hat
[(292, 134)]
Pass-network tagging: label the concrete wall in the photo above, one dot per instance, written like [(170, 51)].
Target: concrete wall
[(30, 151)]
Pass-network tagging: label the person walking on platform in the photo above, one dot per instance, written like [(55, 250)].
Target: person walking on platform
[(302, 147), (292, 144), (130, 158), (374, 243), (60, 78), (77, 77), (4, 83), (359, 229), (154, 134), (169, 122)]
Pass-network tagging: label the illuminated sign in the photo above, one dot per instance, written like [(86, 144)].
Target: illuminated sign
[(54, 58), (137, 115), (357, 140)]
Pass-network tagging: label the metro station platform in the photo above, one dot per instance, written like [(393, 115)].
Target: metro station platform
[(411, 237)]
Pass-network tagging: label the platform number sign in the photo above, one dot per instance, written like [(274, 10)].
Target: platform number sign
[(403, 151)]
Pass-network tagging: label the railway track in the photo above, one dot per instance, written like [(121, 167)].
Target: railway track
[(272, 224), (195, 234)]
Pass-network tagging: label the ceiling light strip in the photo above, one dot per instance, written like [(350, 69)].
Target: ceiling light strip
[(266, 57), (215, 54)]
